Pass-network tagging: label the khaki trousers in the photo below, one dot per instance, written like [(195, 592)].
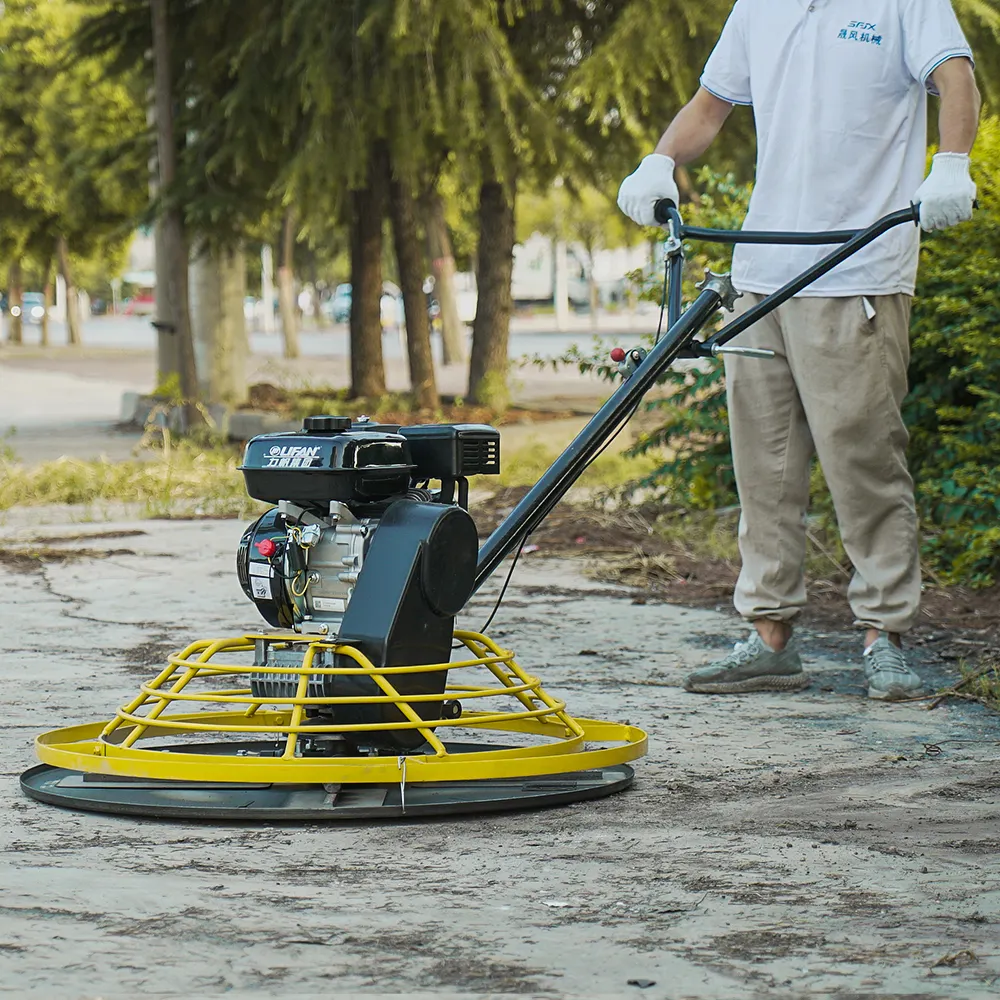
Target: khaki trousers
[(833, 389)]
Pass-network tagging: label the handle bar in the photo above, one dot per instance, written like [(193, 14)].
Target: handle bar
[(666, 213), (680, 334)]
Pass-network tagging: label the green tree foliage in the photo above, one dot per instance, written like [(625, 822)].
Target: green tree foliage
[(576, 214), (646, 69), (284, 103), (72, 139), (981, 22)]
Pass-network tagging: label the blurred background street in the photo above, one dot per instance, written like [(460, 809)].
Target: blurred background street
[(63, 400)]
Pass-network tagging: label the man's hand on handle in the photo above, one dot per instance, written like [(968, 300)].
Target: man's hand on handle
[(947, 195), (652, 180)]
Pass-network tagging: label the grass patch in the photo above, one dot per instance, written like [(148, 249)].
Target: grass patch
[(525, 465), (185, 480), (190, 479), (984, 683), (980, 683), (710, 537), (390, 408)]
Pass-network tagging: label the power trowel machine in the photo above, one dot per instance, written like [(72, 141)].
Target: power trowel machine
[(359, 699)]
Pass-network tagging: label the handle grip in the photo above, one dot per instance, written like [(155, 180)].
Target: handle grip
[(664, 211)]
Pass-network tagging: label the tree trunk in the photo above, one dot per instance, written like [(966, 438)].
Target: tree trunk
[(167, 354), (168, 358), (595, 292), (317, 314), (72, 295), (368, 211), (267, 288), (491, 329), (411, 280), (560, 284), (46, 302), (443, 267), (287, 305), (15, 305), (218, 326), (173, 238)]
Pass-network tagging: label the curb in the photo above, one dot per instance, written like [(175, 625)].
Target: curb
[(138, 410)]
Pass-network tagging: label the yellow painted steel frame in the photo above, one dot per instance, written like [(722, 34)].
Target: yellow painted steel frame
[(110, 748)]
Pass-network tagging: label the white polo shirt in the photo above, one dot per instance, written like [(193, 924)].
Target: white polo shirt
[(839, 94)]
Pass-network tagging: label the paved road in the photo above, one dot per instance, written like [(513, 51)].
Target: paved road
[(774, 847), (66, 401), (529, 335), (48, 413)]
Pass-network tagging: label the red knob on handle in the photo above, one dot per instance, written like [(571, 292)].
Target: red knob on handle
[(617, 355)]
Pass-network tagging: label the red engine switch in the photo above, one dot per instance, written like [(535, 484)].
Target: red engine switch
[(266, 547)]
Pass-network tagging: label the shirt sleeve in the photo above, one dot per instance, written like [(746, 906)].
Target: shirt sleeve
[(727, 72), (931, 36)]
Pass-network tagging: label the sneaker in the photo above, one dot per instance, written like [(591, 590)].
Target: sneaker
[(751, 666), (889, 678)]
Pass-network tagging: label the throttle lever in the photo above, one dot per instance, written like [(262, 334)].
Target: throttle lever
[(742, 352), (628, 361)]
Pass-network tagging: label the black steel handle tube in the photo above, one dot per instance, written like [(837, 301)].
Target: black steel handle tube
[(566, 469), (675, 289), (752, 236), (795, 286), (665, 211)]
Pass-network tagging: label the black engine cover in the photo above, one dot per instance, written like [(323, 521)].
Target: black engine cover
[(417, 575), (312, 467)]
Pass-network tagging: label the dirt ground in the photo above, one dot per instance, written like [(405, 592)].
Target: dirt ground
[(269, 398), (627, 544), (779, 846)]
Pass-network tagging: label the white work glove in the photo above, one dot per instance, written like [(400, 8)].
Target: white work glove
[(640, 191), (947, 195)]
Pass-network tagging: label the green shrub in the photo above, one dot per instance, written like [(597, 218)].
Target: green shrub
[(953, 409)]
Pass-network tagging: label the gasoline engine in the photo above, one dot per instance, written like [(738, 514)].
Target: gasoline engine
[(369, 543)]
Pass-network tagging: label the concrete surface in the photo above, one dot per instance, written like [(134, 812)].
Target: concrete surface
[(529, 332), (779, 846)]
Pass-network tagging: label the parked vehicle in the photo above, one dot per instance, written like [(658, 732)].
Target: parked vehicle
[(141, 304), (32, 308), (337, 308)]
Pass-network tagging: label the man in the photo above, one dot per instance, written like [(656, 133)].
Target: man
[(838, 93)]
